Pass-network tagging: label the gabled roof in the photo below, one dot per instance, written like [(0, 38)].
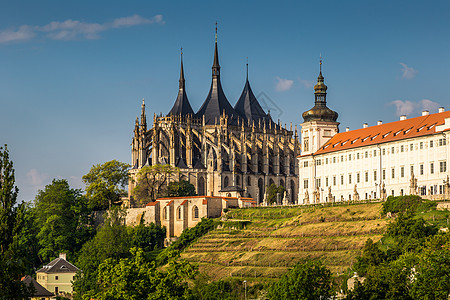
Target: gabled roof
[(58, 265), (40, 291), (389, 132), (248, 106)]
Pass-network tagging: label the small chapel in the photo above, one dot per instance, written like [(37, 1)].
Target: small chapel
[(222, 150)]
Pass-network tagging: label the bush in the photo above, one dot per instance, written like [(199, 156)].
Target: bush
[(410, 203)]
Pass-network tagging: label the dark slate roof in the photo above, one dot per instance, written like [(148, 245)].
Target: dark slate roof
[(182, 105), (216, 103), (181, 164), (40, 291), (248, 106), (58, 265), (199, 165), (232, 188)]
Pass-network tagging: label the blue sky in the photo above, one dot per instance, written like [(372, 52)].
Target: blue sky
[(73, 73)]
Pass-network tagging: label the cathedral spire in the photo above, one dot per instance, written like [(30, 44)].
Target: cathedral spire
[(181, 105), (216, 66), (143, 117)]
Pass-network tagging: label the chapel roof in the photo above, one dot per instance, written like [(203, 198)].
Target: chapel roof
[(58, 265)]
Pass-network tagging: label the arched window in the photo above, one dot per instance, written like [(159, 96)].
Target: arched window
[(201, 187), (195, 212), (249, 181), (282, 182), (179, 215), (165, 214), (238, 180), (271, 182), (225, 182), (261, 190)]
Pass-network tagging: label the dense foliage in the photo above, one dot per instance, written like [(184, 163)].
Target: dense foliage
[(410, 262), (274, 193), (105, 184), (12, 218), (180, 188), (307, 281)]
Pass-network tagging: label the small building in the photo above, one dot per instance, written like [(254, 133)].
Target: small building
[(40, 293), (57, 276)]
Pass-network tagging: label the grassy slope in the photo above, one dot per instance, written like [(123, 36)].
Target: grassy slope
[(277, 238)]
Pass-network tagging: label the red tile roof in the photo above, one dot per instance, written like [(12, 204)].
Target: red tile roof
[(389, 132), (151, 203)]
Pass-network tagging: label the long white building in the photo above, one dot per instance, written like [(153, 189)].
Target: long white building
[(405, 157)]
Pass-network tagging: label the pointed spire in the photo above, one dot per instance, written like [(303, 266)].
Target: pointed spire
[(216, 66), (181, 106), (143, 117)]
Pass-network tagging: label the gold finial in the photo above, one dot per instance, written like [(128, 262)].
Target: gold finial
[(320, 63)]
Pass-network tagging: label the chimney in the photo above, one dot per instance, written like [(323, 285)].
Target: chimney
[(441, 109), (379, 122), (425, 113), (347, 129), (402, 117), (365, 125), (62, 255)]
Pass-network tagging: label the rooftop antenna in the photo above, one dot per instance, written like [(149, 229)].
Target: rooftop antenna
[(247, 68), (320, 63), (216, 31)]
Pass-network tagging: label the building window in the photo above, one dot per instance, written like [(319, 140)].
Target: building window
[(305, 164), (326, 161), (443, 166), (305, 183), (334, 180), (384, 151), (384, 174), (411, 169), (393, 173), (402, 171), (318, 182), (166, 214), (392, 150), (238, 180), (375, 175), (349, 178), (319, 162), (334, 160), (431, 144), (357, 155), (366, 176), (249, 181), (56, 277), (357, 177), (421, 145), (392, 192), (402, 148), (421, 169), (442, 142), (342, 179), (56, 290), (326, 181), (179, 215), (225, 182), (431, 168), (366, 154), (349, 157), (195, 212), (374, 152), (342, 158), (411, 147)]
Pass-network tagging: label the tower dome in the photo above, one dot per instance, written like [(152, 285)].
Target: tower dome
[(320, 111)]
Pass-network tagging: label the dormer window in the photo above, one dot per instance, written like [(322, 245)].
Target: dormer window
[(386, 134), (372, 138), (395, 134), (408, 130)]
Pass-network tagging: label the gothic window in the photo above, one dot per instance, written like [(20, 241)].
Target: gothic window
[(179, 213), (165, 214), (225, 182), (271, 182), (261, 190), (282, 182), (249, 181), (201, 187), (195, 212), (238, 180)]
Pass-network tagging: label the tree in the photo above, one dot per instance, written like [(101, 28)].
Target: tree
[(152, 182), (180, 188), (306, 281), (105, 184), (63, 218), (273, 191), (137, 278), (12, 265)]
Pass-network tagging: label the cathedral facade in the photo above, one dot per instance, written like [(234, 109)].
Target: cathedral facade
[(222, 150)]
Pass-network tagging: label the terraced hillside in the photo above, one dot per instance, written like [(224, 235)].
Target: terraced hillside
[(262, 243)]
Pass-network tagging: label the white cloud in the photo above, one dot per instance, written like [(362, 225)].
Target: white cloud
[(283, 84), (406, 107), (408, 72), (36, 178), (24, 32), (74, 29)]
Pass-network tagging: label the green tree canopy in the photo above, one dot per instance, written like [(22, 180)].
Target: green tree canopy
[(273, 191), (152, 182), (306, 281), (12, 265), (180, 188), (64, 219), (105, 184)]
